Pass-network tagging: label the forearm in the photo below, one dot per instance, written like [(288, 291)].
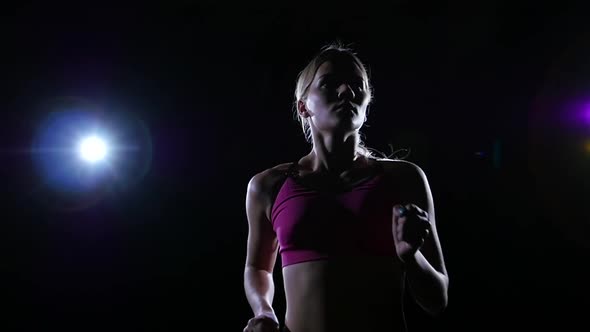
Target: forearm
[(259, 288), (428, 286)]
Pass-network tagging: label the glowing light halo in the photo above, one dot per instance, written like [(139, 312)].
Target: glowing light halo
[(92, 149), (82, 153)]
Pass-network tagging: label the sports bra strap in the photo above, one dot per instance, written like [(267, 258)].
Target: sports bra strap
[(292, 171)]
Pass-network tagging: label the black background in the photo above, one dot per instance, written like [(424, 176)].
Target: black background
[(476, 90)]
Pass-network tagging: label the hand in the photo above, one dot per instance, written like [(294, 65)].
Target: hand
[(410, 228), (266, 322)]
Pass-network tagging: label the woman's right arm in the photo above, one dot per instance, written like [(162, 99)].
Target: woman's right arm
[(262, 248)]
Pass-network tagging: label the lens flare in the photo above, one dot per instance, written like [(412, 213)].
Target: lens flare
[(83, 154), (93, 149)]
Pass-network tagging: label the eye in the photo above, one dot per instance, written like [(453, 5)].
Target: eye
[(327, 83), (359, 85)]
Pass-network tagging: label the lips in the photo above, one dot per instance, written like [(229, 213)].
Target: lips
[(345, 106)]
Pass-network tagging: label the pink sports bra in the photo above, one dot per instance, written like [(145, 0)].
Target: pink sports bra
[(314, 224)]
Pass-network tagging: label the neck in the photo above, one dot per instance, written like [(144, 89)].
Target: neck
[(334, 155)]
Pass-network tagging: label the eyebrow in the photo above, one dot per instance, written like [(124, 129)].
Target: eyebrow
[(332, 74)]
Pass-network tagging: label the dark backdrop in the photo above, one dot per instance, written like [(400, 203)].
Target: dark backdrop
[(477, 90)]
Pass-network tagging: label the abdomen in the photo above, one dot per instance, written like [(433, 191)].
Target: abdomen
[(363, 294)]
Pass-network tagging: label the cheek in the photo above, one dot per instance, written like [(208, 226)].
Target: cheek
[(366, 99), (315, 101)]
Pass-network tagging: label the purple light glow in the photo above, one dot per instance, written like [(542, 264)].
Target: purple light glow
[(578, 112), (586, 113)]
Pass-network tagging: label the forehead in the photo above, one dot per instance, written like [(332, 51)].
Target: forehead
[(344, 67)]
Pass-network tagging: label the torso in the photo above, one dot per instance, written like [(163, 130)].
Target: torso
[(331, 295), (342, 295)]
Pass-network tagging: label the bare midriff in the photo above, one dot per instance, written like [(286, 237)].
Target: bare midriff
[(360, 294)]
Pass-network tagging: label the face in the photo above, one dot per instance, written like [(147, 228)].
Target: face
[(337, 98)]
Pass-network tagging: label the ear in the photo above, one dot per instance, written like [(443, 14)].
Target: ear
[(302, 109)]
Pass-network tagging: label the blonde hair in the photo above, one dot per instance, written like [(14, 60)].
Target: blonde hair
[(306, 76)]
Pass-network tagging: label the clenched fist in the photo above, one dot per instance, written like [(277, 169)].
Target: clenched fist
[(263, 323), (410, 227)]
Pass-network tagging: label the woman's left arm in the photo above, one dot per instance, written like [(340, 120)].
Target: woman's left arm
[(418, 244)]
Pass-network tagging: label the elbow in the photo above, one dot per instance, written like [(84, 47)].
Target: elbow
[(440, 305), (437, 309)]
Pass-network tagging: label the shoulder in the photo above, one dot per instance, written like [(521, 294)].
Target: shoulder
[(264, 181), (265, 185), (410, 180), (404, 174), (400, 167)]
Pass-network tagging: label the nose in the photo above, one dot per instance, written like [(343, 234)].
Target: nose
[(344, 90)]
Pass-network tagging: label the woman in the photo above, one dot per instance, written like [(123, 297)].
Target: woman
[(352, 229)]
